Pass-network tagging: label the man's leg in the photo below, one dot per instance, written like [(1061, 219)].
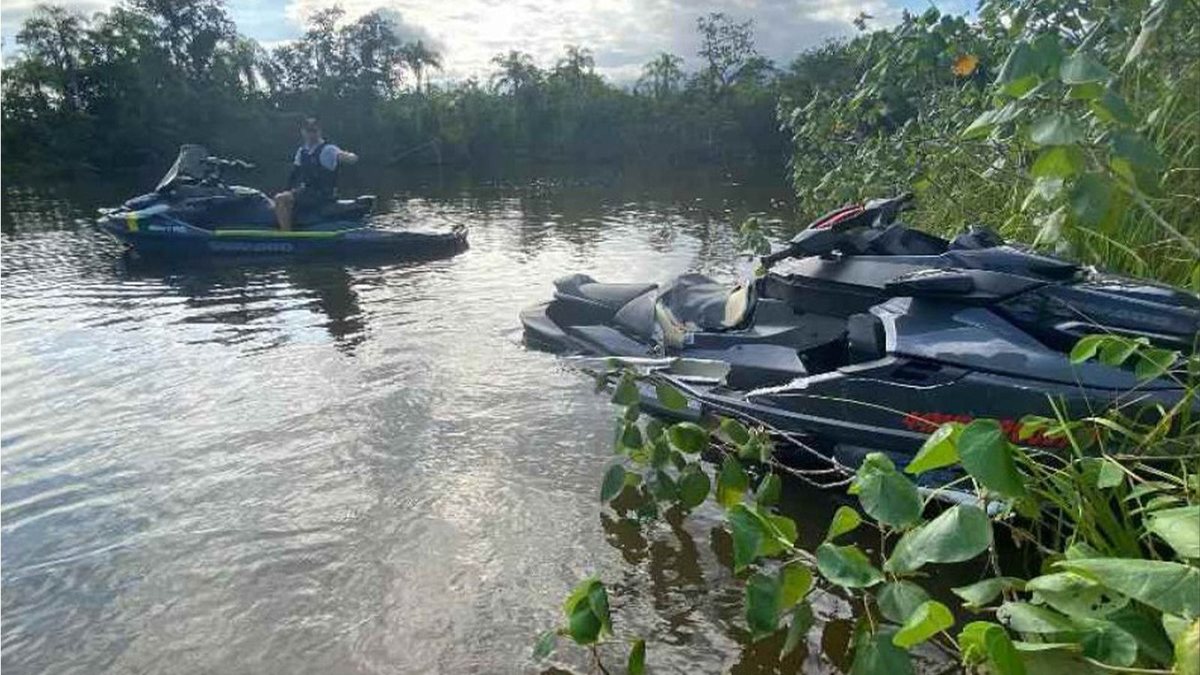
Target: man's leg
[(285, 204)]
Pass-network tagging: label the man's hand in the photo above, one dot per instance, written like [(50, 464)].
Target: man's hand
[(345, 157)]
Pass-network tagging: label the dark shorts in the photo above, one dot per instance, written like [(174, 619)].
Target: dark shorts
[(311, 201)]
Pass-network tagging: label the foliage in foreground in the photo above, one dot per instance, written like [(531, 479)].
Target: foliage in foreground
[(1074, 124), (1115, 518)]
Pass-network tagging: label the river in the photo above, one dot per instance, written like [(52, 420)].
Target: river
[(316, 468)]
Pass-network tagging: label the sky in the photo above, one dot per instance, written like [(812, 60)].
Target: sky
[(622, 34)]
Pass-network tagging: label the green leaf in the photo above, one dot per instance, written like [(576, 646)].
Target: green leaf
[(981, 126), (795, 581), (1045, 189), (1116, 350), (1086, 348), (631, 436), (885, 494), (987, 455), (1109, 107), (1187, 651), (688, 437), (669, 396), (732, 482), (545, 645), (1056, 129), (598, 603), (1153, 363), (1109, 644), (694, 486), (1020, 71), (1091, 199), (929, 619), (1169, 587), (1179, 527), (762, 605), (845, 519), (1152, 641), (1134, 148), (846, 566), (1082, 67), (1110, 475), (769, 490), (959, 533), (1026, 618), (878, 655), (983, 592), (614, 481), (637, 658), (747, 534), (626, 393), (1075, 595), (802, 621), (583, 625), (899, 599), (939, 450), (1002, 656), (734, 431), (1058, 161)]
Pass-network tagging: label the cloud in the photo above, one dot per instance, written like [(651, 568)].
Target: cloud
[(623, 34)]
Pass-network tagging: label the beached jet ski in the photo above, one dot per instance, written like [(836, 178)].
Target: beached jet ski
[(864, 334), (193, 213)]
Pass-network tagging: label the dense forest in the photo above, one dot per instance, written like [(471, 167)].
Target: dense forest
[(127, 86)]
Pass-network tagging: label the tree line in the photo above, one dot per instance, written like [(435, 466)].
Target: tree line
[(123, 88)]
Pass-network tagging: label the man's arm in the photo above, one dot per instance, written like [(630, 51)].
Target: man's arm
[(345, 157)]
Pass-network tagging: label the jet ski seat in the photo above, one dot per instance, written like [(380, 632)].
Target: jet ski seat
[(342, 209), (583, 289), (702, 303)]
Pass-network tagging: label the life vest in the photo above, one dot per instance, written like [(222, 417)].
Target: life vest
[(315, 177)]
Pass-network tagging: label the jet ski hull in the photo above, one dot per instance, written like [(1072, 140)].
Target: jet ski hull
[(164, 237)]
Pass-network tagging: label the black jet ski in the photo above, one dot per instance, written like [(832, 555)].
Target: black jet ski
[(864, 334), (194, 214)]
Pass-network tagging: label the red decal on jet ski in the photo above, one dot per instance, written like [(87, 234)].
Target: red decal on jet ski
[(928, 422), (837, 216)]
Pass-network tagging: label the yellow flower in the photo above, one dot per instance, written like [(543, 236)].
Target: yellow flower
[(965, 65)]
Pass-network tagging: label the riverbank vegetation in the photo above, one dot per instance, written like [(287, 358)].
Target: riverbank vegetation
[(125, 87)]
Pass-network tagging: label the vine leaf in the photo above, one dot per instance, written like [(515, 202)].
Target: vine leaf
[(899, 599), (845, 519), (613, 483), (846, 566), (987, 455), (929, 619)]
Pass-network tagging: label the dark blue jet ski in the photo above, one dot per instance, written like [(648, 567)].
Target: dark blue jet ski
[(193, 214), (865, 334)]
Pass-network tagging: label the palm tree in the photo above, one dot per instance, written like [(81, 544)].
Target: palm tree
[(662, 75), (577, 63), (418, 57), (517, 72)]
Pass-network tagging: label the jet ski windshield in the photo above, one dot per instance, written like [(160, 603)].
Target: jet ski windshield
[(191, 163)]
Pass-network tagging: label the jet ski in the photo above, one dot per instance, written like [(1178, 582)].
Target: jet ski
[(862, 334), (194, 214)]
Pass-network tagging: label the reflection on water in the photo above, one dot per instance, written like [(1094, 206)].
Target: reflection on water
[(345, 469)]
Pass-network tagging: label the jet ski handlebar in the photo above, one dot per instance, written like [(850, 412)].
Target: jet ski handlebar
[(825, 233), (223, 163)]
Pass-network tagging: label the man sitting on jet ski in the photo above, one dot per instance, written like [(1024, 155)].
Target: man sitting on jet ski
[(312, 185)]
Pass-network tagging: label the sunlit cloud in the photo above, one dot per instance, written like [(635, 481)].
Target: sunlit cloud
[(622, 34)]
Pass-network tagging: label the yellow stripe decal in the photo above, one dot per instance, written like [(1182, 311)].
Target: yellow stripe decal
[(131, 222), (280, 234)]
